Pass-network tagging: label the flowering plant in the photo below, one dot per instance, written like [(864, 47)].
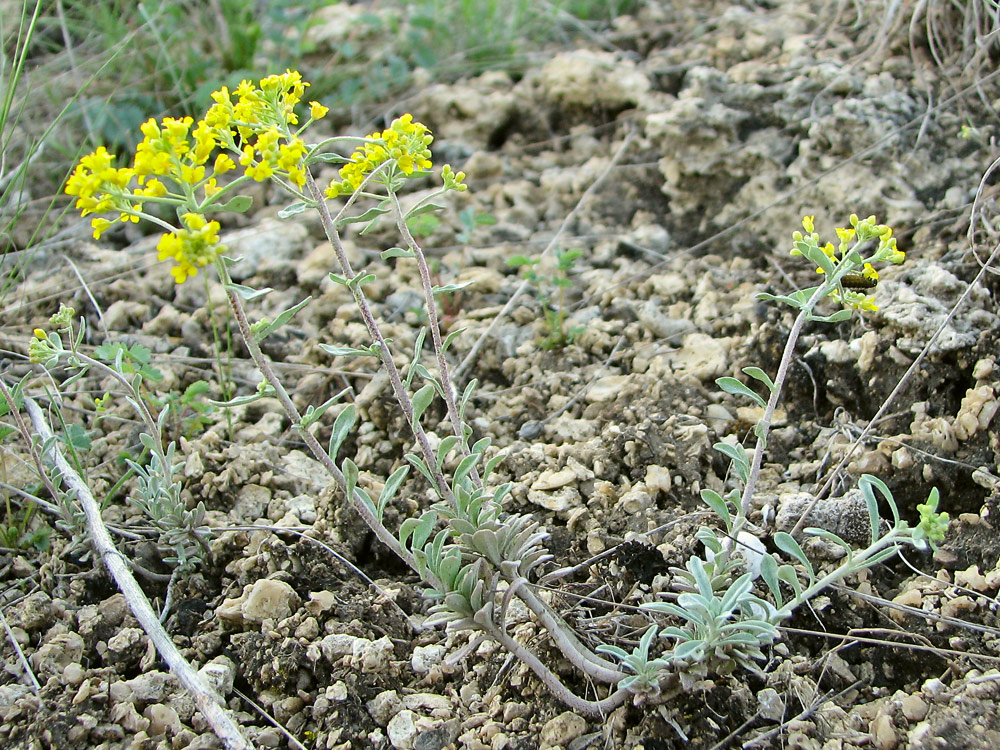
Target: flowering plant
[(472, 556)]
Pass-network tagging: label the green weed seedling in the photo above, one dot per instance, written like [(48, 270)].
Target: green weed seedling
[(21, 530), (551, 292), (471, 219), (190, 411)]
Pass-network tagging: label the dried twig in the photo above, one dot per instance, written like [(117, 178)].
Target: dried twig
[(206, 699), (35, 687)]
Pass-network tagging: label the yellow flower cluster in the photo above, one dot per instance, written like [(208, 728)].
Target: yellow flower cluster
[(404, 143), (860, 231), (101, 187), (268, 155), (263, 119), (193, 247), (253, 126)]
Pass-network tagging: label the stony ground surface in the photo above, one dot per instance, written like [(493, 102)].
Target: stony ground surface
[(678, 152)]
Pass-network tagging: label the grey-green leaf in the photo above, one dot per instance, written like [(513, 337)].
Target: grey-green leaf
[(734, 386), (466, 395), (452, 335), (248, 293), (239, 204), (786, 543), (396, 252), (292, 209), (369, 215), (447, 445), (769, 572), (425, 208), (758, 374), (421, 400), (390, 489), (283, 317), (450, 287), (418, 462), (341, 428), (836, 317), (346, 351), (717, 503), (350, 470)]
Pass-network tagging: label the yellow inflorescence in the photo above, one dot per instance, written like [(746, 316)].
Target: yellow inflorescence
[(404, 142), (100, 187), (251, 126), (861, 230), (193, 247)]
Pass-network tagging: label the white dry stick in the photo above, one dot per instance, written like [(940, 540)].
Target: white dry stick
[(35, 687), (206, 699)]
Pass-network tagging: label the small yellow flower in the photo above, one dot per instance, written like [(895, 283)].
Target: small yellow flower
[(845, 235), (224, 163), (39, 334), (100, 226), (317, 111), (192, 175), (192, 247), (153, 189), (807, 223)]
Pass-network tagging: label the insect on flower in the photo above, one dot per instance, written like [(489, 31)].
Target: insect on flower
[(858, 281)]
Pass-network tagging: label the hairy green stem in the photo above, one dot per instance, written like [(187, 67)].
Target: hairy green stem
[(764, 425)]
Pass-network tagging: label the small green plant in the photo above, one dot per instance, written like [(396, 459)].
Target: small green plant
[(554, 310), (21, 530), (424, 225), (181, 531), (135, 359), (471, 219), (190, 411)]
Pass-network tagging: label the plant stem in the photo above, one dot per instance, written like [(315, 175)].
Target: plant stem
[(554, 684), (434, 325), (764, 425), (207, 700), (566, 641), (402, 397), (852, 565), (262, 363), (224, 371)]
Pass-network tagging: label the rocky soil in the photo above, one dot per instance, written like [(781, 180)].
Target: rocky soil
[(678, 152)]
